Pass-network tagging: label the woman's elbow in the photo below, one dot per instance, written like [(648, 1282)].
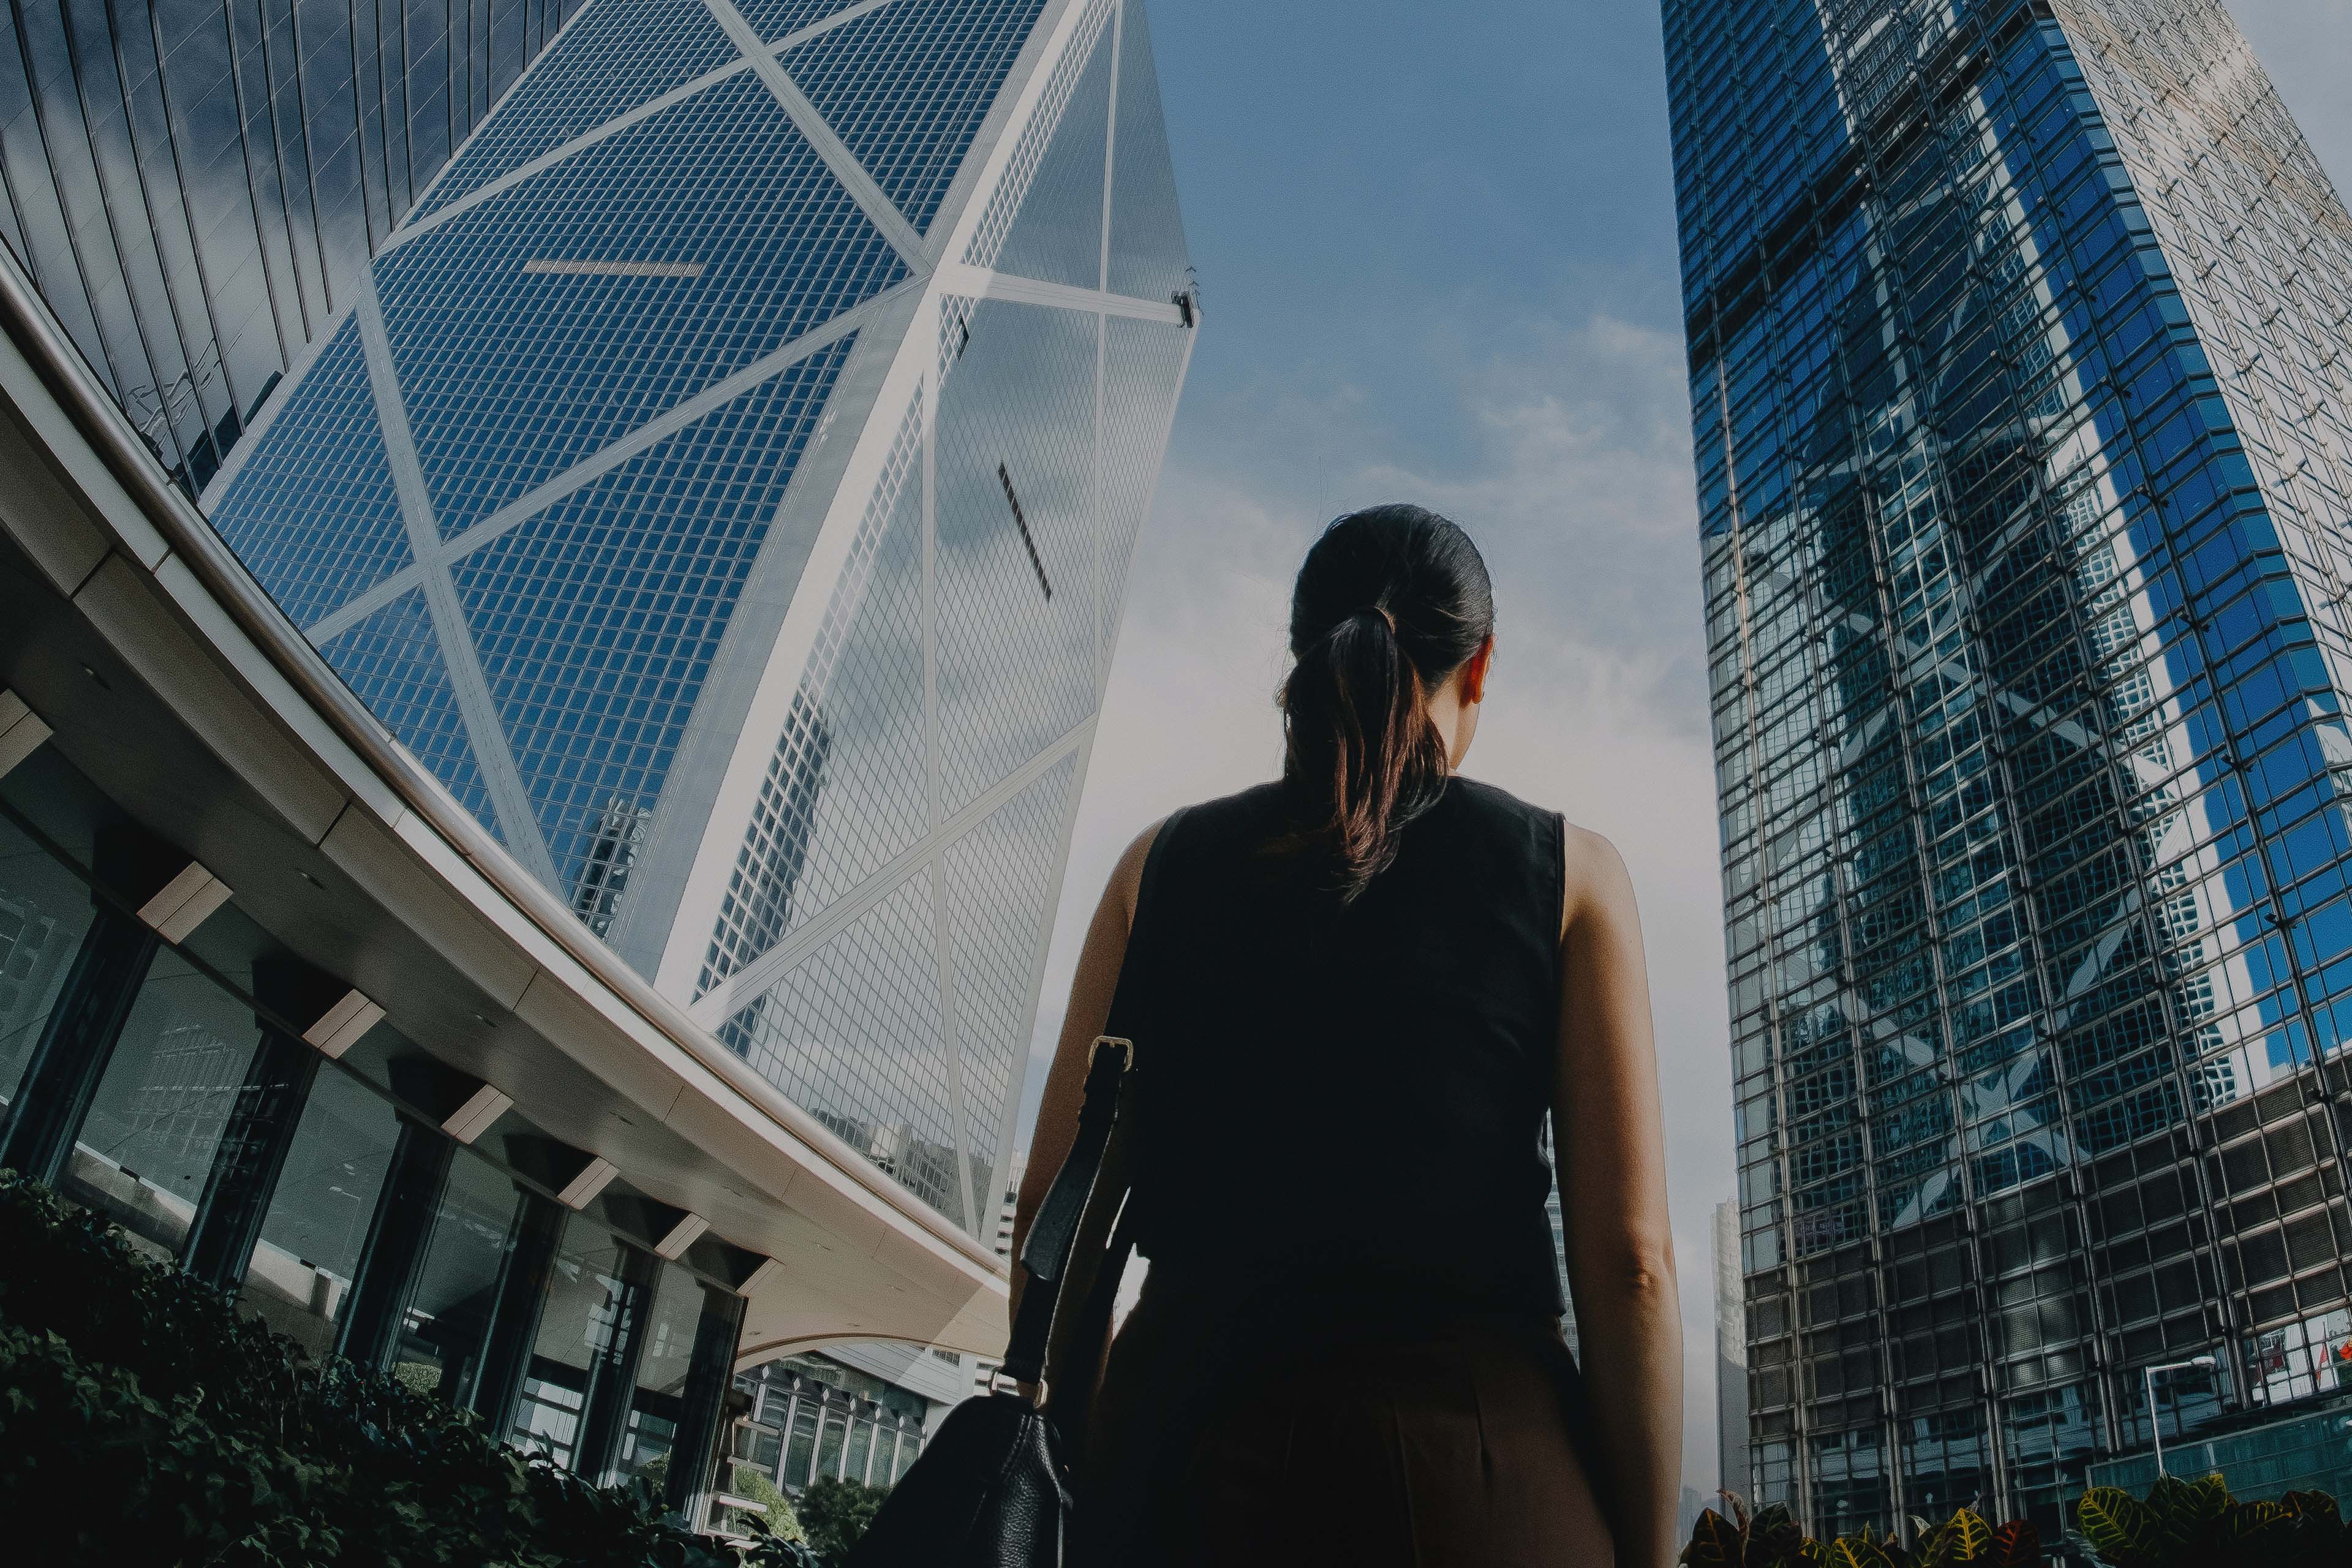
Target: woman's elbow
[(1638, 1270)]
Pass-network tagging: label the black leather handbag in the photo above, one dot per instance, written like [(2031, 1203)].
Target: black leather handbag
[(994, 1488)]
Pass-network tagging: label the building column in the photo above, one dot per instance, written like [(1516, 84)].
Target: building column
[(404, 1213), (517, 1301), (251, 1154), (612, 1370), (784, 1447), (78, 1039), (694, 1452)]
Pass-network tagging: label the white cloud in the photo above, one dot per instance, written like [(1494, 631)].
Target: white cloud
[(1580, 493)]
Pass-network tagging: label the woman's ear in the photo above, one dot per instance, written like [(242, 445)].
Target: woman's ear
[(1474, 673)]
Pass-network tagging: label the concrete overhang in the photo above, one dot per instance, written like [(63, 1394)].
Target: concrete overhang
[(177, 686)]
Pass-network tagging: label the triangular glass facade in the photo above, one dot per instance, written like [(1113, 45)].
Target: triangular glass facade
[(747, 567)]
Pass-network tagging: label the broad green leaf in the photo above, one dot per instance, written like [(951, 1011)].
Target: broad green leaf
[(1963, 1538), (1715, 1542), (1772, 1536), (1857, 1552), (2118, 1526)]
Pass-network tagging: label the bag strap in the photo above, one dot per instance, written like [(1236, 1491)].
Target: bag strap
[(1053, 1233), (1045, 1254)]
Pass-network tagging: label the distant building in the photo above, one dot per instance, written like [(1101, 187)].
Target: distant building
[(1559, 1257), (567, 560), (2018, 386), (1730, 1355), (196, 189), (984, 1369), (859, 1413)]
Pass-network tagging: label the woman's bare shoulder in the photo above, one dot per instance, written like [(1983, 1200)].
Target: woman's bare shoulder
[(1127, 876), (1596, 883)]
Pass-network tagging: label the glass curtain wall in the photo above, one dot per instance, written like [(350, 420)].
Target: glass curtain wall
[(609, 1331), (2023, 587), (192, 187), (811, 1416)]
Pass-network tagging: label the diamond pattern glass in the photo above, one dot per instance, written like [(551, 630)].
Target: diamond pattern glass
[(907, 85), (317, 518)]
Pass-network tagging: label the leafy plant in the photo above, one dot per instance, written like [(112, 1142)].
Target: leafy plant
[(836, 1513), (752, 1484), (2179, 1524), (222, 1443), (2198, 1524), (1770, 1539)]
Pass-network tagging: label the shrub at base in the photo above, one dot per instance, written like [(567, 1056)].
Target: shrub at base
[(836, 1513), (222, 1444), (2179, 1524)]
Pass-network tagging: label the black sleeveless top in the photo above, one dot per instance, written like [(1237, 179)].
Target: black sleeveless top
[(1347, 1101)]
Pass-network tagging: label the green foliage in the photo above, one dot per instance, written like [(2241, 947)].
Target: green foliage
[(222, 1444), (1770, 1539), (2198, 1524), (752, 1485), (836, 1513), (2179, 1524)]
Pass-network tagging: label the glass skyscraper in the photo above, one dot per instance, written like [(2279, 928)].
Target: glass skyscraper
[(725, 477), (2017, 337), (194, 187)]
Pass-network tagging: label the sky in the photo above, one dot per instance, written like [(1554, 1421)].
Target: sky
[(1437, 262)]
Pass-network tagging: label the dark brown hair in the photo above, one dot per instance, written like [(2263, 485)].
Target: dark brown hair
[(1390, 602)]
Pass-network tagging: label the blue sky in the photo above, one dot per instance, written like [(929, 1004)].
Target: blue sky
[(1436, 251)]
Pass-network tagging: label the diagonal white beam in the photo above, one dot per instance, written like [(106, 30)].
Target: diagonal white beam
[(602, 461), (878, 208), (417, 227), (425, 224), (825, 25), (959, 278), (499, 775), (713, 1007)]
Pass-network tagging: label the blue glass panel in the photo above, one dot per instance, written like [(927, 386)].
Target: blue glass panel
[(313, 515), (1017, 521), (776, 19), (621, 54), (1143, 362), (511, 375), (846, 784), (1057, 234), (1001, 879), (907, 86), (393, 660), (853, 1035), (1148, 256), (596, 620)]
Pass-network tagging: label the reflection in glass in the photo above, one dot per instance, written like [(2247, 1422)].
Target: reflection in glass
[(317, 1225), (591, 1305), (143, 1152), (44, 910), (448, 1316), (658, 1402)]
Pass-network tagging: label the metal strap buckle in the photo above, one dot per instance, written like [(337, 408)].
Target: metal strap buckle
[(1127, 1049), (999, 1383)]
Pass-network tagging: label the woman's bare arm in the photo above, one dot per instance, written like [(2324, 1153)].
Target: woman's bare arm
[(1082, 1025), (1612, 1173)]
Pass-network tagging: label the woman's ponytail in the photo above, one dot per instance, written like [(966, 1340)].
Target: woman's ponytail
[(1390, 603)]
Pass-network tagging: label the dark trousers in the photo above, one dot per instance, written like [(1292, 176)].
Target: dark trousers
[(1433, 1444)]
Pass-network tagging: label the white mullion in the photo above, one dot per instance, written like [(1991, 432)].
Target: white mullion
[(712, 1007), (879, 210), (479, 714)]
